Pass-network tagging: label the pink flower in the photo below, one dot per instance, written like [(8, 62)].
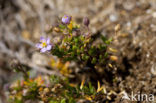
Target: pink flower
[(44, 44), (66, 19)]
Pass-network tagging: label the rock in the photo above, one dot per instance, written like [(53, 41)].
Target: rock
[(153, 69), (128, 5), (40, 59), (154, 14), (113, 17)]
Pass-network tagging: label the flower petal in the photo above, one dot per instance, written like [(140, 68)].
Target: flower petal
[(38, 45), (48, 40), (42, 39), (43, 50), (49, 47)]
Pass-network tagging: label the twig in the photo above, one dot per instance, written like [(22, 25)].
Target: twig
[(11, 54)]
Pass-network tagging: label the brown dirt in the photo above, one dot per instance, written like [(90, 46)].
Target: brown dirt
[(22, 22)]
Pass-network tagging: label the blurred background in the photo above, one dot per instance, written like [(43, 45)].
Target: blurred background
[(22, 22)]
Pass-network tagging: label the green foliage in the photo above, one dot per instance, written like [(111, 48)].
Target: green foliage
[(54, 79), (77, 44), (89, 90), (32, 89)]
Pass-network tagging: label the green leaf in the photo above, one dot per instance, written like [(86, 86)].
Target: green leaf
[(100, 56), (86, 57), (104, 39), (62, 26), (76, 40), (106, 54), (53, 101), (82, 49), (54, 79), (63, 101), (91, 88), (90, 52), (78, 52), (71, 100), (94, 60), (108, 41), (82, 38), (74, 47)]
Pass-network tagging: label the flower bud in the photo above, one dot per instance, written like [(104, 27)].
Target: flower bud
[(66, 19), (56, 29), (113, 58), (86, 21)]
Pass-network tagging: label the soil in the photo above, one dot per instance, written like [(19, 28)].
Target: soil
[(23, 21)]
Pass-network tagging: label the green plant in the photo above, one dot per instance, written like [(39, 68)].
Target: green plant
[(76, 44)]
